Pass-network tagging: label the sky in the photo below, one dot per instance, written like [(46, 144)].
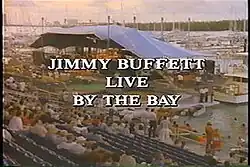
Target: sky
[(30, 12)]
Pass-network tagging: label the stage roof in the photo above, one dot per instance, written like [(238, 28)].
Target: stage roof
[(142, 44)]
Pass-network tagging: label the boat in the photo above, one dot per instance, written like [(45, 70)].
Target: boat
[(200, 112), (190, 136), (193, 109), (235, 89), (239, 151)]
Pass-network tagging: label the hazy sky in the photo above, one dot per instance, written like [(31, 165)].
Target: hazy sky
[(28, 11)]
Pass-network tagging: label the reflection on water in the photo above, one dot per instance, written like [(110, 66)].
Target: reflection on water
[(229, 119), (222, 117)]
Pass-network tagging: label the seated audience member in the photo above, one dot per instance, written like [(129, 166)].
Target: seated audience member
[(140, 130), (81, 140), (60, 137), (96, 121), (177, 142), (13, 85), (115, 159), (25, 118), (125, 130), (94, 137), (232, 160), (52, 132), (240, 142), (127, 160), (183, 145), (31, 119), (21, 105), (80, 130), (90, 147), (72, 146), (114, 128), (158, 159), (243, 161), (39, 129), (9, 81), (66, 144), (107, 160), (22, 86), (226, 164), (6, 117), (16, 122), (7, 135), (103, 125)]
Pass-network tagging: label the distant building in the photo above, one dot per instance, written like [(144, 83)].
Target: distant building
[(72, 22), (56, 23)]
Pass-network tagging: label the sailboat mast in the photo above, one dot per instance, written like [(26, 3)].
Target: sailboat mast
[(122, 15), (162, 19), (245, 18), (135, 23), (108, 42), (173, 26)]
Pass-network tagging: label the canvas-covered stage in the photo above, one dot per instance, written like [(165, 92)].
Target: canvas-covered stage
[(139, 43)]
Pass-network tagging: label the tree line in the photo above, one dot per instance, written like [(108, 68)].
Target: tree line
[(223, 25)]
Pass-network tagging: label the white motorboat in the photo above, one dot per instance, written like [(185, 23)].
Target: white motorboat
[(200, 112), (235, 90)]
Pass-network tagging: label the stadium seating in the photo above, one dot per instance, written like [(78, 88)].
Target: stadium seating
[(23, 156)]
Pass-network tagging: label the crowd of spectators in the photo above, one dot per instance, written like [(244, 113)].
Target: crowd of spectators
[(74, 130)]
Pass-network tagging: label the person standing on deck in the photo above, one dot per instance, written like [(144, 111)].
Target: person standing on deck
[(145, 123), (180, 80), (241, 142), (198, 80), (183, 145), (216, 140), (212, 96), (165, 131), (209, 136), (206, 94), (202, 94), (152, 124)]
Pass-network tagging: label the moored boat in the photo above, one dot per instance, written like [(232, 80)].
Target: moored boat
[(235, 89)]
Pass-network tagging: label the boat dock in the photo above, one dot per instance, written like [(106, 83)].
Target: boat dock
[(206, 105)]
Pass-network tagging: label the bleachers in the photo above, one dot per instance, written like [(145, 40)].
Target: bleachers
[(23, 156), (8, 161), (113, 145), (43, 148), (172, 149), (42, 151), (143, 148), (140, 154), (48, 144), (144, 145)]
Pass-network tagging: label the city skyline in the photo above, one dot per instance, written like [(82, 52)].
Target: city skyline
[(23, 12)]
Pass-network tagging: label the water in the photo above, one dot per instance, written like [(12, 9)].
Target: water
[(222, 117)]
